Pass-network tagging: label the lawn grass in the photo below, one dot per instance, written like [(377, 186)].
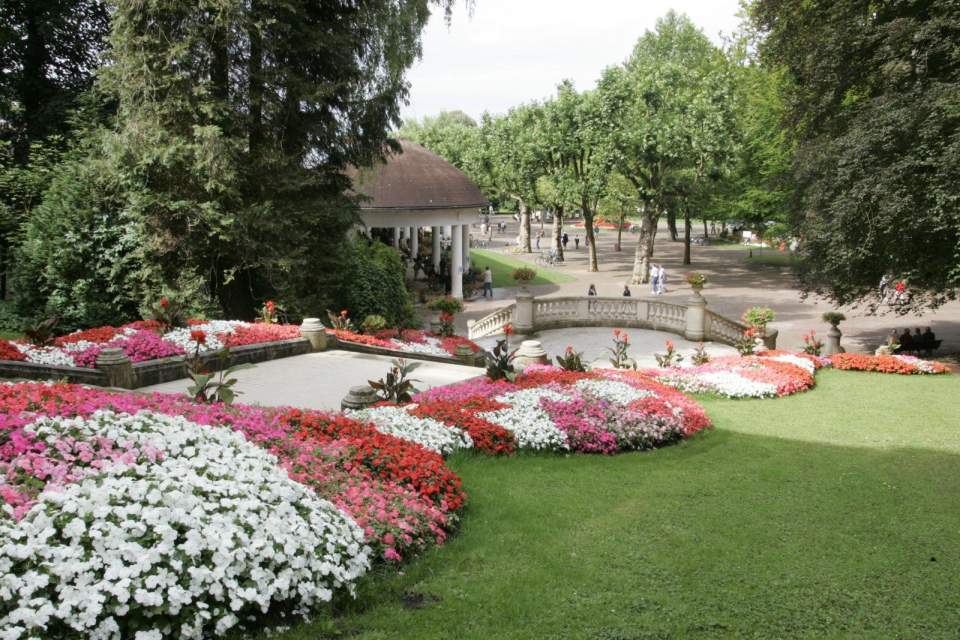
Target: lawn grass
[(503, 266), (10, 335), (830, 514)]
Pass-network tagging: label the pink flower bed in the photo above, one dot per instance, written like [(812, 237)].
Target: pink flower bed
[(145, 340), (758, 376)]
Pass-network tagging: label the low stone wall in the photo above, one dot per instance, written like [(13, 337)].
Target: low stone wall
[(14, 370)]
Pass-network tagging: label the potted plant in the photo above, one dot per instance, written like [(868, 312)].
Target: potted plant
[(444, 309), (833, 318), (523, 276), (696, 280), (757, 318)]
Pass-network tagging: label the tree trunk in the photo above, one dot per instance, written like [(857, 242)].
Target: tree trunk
[(641, 261), (34, 87), (706, 234), (524, 239), (672, 225), (623, 217), (591, 239), (686, 236), (558, 232), (255, 72)]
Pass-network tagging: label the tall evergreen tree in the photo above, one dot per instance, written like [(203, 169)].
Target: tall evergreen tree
[(236, 119)]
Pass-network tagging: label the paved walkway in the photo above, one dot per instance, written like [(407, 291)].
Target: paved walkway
[(321, 380), (734, 285)]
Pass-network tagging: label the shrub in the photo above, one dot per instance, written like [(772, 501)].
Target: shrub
[(373, 323), (376, 284), (446, 304), (833, 317), (524, 275)]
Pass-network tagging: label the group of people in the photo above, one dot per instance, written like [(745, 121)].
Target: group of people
[(916, 342), (658, 279)]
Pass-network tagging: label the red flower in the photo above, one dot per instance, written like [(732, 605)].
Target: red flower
[(508, 329), (198, 336), (669, 345), (270, 305), (901, 287), (616, 333), (164, 302)]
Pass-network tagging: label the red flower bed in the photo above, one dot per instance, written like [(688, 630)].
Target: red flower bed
[(260, 332), (359, 338), (391, 458), (487, 437), (451, 343), (885, 364), (10, 352), (97, 335)]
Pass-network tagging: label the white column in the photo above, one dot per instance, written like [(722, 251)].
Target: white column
[(456, 263), (448, 232), (414, 242), (466, 246), (435, 240), (396, 238)]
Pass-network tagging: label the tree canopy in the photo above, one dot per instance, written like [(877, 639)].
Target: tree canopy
[(873, 107)]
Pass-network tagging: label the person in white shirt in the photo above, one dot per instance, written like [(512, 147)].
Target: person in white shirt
[(655, 280), (661, 280), (487, 282)]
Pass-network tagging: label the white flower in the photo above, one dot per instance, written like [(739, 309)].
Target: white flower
[(612, 390), (804, 363), (530, 424), (181, 338), (427, 432), (171, 541), (53, 356)]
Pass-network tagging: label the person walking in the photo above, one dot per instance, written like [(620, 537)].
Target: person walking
[(592, 291), (655, 280), (539, 235), (576, 241), (662, 279), (487, 282), (564, 239)]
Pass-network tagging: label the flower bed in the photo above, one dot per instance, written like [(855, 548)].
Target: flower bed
[(409, 341), (772, 375), (547, 408), (144, 340), (176, 519), (904, 365)]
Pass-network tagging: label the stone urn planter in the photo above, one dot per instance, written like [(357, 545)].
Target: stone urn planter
[(359, 397), (530, 352), (314, 331), (833, 318)]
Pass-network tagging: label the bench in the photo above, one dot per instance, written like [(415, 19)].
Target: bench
[(926, 348)]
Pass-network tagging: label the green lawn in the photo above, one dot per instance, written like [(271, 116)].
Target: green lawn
[(830, 514), (503, 266)]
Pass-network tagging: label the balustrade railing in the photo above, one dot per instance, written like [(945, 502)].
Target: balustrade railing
[(690, 320), (720, 329)]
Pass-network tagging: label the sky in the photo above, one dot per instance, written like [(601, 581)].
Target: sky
[(514, 51)]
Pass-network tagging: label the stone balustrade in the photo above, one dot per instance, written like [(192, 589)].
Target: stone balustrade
[(688, 318)]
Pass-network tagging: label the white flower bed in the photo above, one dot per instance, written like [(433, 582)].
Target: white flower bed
[(180, 548), (181, 338), (530, 424), (430, 347), (725, 383), (52, 356), (803, 363), (427, 432), (917, 363), (612, 390)]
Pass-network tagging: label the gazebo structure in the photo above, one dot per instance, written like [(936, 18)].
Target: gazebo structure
[(418, 189)]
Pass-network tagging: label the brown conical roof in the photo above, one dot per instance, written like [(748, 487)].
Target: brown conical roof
[(415, 179)]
